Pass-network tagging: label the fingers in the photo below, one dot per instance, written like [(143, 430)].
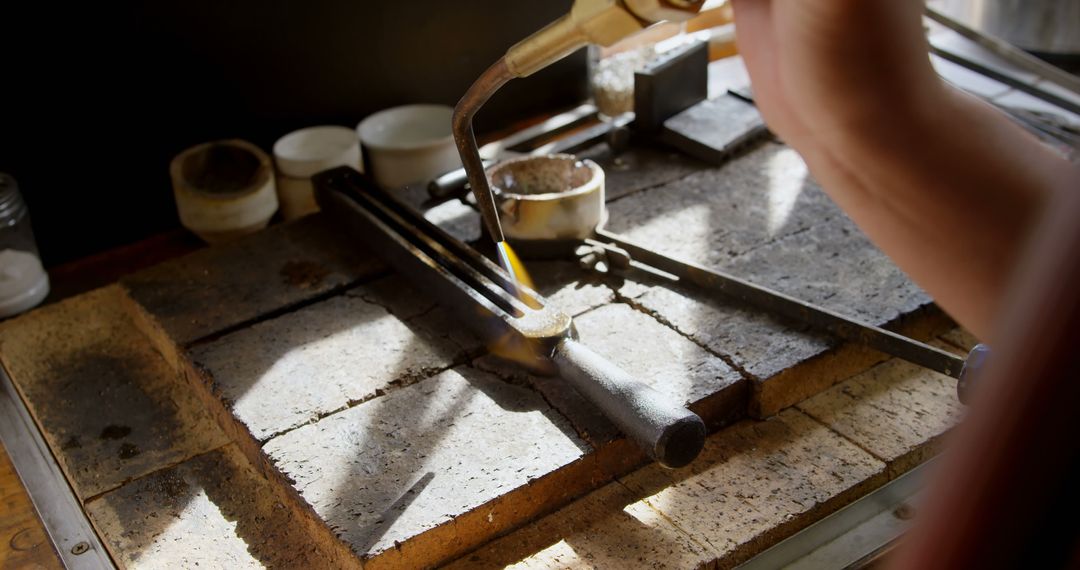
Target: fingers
[(755, 29)]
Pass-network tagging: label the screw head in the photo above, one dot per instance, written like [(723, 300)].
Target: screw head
[(80, 548)]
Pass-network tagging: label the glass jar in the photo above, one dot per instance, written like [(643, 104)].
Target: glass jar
[(611, 76), (23, 281)]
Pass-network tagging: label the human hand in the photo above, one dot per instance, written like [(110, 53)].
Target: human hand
[(944, 184)]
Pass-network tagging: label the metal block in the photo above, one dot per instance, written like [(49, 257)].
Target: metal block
[(673, 83), (714, 129)]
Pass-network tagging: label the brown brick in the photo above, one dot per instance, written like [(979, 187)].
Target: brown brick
[(605, 529), (433, 469), (756, 483), (759, 482), (212, 511), (110, 407), (220, 287), (961, 339), (898, 411)]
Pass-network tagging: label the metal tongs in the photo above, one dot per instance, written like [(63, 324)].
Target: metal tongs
[(515, 321), (607, 252)]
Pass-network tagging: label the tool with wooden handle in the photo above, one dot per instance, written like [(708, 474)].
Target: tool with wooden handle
[(515, 321)]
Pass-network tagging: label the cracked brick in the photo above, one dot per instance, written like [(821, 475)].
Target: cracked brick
[(288, 371)]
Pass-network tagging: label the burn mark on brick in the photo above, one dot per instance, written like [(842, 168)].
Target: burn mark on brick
[(304, 274), (127, 451), (113, 431), (173, 485)]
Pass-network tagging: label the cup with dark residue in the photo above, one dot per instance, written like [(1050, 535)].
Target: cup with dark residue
[(552, 197), (224, 189)]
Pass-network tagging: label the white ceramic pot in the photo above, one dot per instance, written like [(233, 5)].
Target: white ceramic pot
[(301, 154), (223, 189), (409, 144), (552, 197)]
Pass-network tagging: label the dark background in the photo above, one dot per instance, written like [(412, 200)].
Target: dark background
[(98, 97)]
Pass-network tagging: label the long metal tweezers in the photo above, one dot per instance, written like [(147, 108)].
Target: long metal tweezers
[(624, 255)]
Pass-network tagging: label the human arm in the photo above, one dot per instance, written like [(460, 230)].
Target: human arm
[(944, 184)]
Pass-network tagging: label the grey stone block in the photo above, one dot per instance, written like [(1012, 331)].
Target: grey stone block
[(568, 287), (753, 341), (761, 218), (715, 129), (837, 267)]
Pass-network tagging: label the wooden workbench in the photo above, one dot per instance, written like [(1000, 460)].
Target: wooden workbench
[(284, 400)]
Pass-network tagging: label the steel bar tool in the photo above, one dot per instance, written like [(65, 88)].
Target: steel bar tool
[(514, 321)]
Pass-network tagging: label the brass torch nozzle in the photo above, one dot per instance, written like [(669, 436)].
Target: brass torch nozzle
[(602, 22)]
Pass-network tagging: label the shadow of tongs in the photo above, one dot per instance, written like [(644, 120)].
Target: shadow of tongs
[(514, 321)]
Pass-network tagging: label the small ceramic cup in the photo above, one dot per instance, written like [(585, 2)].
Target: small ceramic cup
[(552, 197), (223, 189), (409, 144), (301, 154)]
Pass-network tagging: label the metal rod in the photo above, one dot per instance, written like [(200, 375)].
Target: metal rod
[(56, 504), (481, 90), (1008, 52), (778, 303), (1006, 79), (452, 184), (545, 129)]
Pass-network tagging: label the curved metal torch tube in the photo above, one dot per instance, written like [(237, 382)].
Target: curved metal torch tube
[(488, 83)]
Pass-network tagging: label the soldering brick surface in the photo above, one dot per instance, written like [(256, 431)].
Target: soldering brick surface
[(217, 288), (568, 287), (212, 511), (717, 214), (605, 529), (756, 483), (388, 472), (760, 482), (288, 371), (727, 73), (110, 408), (897, 411)]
